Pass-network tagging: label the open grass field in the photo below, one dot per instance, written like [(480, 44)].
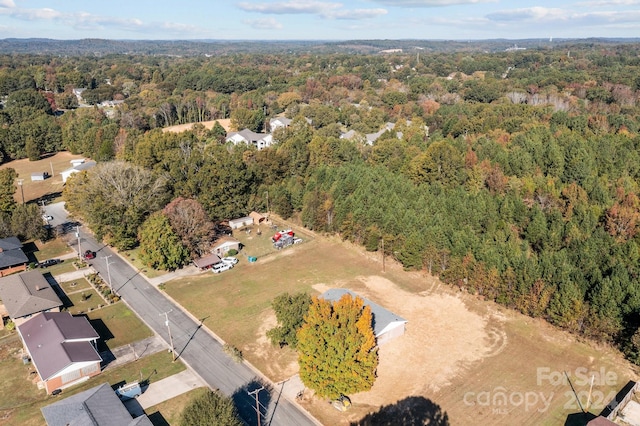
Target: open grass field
[(49, 188), (471, 360), (20, 399)]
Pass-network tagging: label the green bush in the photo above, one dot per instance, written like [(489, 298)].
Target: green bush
[(232, 252)]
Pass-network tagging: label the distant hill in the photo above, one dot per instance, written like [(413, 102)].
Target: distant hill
[(100, 47)]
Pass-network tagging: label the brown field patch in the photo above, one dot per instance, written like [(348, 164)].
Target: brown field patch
[(51, 186), (179, 128)]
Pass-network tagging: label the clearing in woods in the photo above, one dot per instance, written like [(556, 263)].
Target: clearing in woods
[(470, 360)]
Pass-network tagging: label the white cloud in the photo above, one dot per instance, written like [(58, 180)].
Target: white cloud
[(606, 3), (264, 24), (327, 10), (7, 3), (431, 3), (541, 15)]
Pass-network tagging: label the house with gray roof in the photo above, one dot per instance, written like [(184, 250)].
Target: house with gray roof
[(248, 137), (98, 406), (26, 294), (279, 123), (386, 324), (12, 258), (62, 348)]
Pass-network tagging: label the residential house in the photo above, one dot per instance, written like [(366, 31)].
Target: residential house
[(223, 245), (279, 123), (27, 294), (12, 258), (386, 324), (248, 137), (62, 348), (98, 406), (85, 165)]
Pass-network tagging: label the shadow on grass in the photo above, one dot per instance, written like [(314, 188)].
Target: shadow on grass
[(157, 419), (244, 399), (413, 410), (105, 334)]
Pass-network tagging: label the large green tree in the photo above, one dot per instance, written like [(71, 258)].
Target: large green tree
[(208, 409), (290, 310), (160, 246), (337, 349)]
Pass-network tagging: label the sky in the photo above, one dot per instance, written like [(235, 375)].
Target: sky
[(318, 19)]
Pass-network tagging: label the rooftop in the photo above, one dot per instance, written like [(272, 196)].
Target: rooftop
[(27, 293)]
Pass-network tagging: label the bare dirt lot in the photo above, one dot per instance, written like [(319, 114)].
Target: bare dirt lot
[(224, 122), (461, 361)]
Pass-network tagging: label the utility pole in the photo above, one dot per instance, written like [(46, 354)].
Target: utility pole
[(166, 322), (255, 395), (106, 258), (383, 255), (78, 237), (21, 189)]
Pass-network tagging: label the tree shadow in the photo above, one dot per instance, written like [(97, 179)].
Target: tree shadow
[(413, 410), (244, 399)]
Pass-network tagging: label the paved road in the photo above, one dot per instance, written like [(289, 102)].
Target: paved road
[(196, 347)]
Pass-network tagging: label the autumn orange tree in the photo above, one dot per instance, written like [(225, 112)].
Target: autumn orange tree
[(337, 349)]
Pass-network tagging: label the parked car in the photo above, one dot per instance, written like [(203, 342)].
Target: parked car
[(89, 255), (47, 217), (229, 260), (49, 262), (221, 267), (297, 240)]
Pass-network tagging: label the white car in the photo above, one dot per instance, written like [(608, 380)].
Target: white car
[(220, 267), (229, 260), (47, 217)]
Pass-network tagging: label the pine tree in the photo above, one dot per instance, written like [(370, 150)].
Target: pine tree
[(337, 349)]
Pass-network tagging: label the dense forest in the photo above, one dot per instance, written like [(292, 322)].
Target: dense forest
[(510, 174)]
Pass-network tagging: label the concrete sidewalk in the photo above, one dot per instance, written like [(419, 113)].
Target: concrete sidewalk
[(164, 390)]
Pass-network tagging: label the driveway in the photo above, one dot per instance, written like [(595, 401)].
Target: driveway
[(164, 390)]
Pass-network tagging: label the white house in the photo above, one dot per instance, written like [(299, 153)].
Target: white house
[(248, 137), (279, 123)]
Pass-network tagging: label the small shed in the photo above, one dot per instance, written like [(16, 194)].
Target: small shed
[(258, 218), (241, 222), (39, 176), (386, 324)]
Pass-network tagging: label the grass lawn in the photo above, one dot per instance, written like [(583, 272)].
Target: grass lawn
[(117, 326), (60, 268), (82, 302), (133, 256), (234, 302), (168, 412), (20, 399), (75, 285), (51, 249)]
